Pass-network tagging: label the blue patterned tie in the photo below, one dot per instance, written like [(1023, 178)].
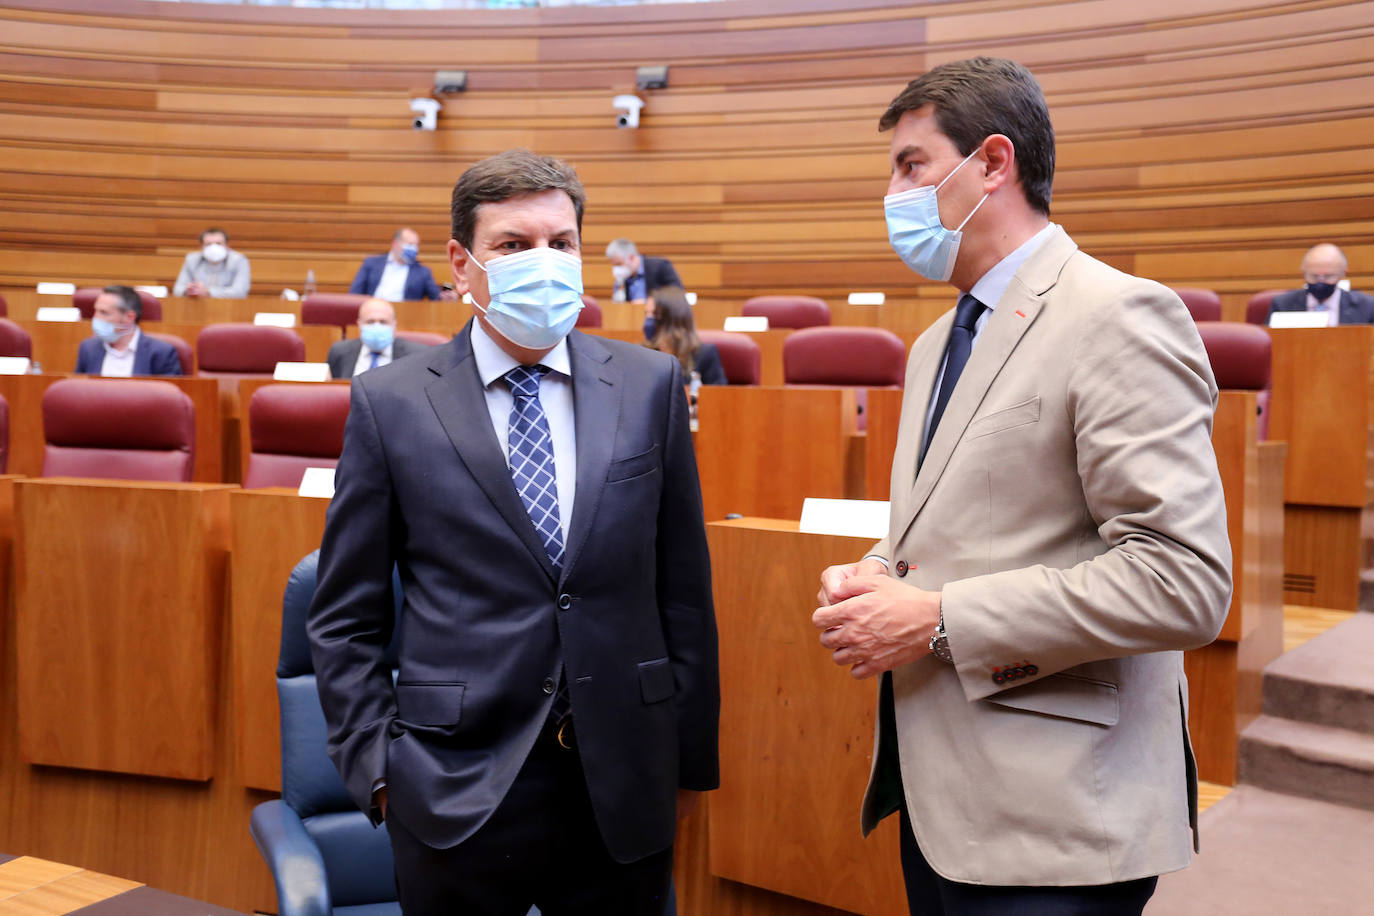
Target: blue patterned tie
[(531, 458), (376, 355), (956, 356)]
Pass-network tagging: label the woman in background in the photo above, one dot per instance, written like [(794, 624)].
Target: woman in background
[(675, 332)]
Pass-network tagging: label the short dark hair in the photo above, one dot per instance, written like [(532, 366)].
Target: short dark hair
[(206, 232), (982, 96), (514, 173), (129, 300)]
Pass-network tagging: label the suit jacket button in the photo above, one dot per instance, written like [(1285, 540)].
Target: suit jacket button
[(902, 567), (549, 685), (564, 602)]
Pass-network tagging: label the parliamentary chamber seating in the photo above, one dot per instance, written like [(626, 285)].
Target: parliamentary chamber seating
[(740, 356), (237, 350), (84, 300), (334, 309), (125, 429), (1240, 354), (788, 311), (1203, 304), (590, 316), (1257, 309), (293, 427), (14, 340)]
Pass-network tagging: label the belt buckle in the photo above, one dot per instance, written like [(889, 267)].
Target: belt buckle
[(564, 733)]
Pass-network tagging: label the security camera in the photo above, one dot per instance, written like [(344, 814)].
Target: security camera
[(426, 113), (628, 106)]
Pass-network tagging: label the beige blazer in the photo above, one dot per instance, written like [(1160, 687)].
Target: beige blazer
[(1071, 512)]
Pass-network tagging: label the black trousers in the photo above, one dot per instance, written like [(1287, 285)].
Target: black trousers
[(541, 846)]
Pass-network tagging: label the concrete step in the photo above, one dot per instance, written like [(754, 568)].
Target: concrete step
[(1328, 680), (1312, 761)]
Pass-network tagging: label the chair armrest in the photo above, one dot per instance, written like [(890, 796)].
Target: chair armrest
[(297, 868)]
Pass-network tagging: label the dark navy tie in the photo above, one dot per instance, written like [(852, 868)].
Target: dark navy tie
[(376, 355), (531, 458), (956, 357)]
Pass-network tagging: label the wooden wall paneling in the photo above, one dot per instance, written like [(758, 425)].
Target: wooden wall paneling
[(55, 342), (884, 409)]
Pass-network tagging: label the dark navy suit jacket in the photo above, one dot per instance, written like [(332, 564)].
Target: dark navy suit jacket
[(153, 357), (487, 623), (1356, 308), (419, 281), (656, 272)]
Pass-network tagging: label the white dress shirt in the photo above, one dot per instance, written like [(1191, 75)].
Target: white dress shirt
[(364, 362), (1331, 305), (120, 363), (392, 286), (556, 396)]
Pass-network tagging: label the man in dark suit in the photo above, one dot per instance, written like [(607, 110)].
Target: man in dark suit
[(398, 275), (637, 275), (119, 348), (1323, 268), (557, 700), (376, 344)]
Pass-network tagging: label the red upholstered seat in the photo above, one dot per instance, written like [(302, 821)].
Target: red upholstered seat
[(590, 316), (231, 350), (428, 338), (1203, 304), (185, 355), (1240, 355), (84, 299), (740, 356), (14, 340), (338, 309), (126, 429), (291, 428), (789, 311), (871, 357), (1257, 309), (4, 306), (4, 434)]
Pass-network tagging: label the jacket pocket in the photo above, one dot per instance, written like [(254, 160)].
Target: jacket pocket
[(656, 680), (1066, 696), (1022, 414), (430, 707), (634, 466)]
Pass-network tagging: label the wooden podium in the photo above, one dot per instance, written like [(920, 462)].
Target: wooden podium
[(1322, 408)]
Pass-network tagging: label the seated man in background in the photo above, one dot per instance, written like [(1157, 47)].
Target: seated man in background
[(635, 275), (216, 270), (398, 275), (119, 348), (1323, 268), (376, 345), (675, 333)]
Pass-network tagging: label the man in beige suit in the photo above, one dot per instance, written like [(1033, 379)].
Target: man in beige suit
[(1057, 536)]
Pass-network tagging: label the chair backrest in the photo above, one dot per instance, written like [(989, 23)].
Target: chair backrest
[(246, 349), (291, 428), (789, 311), (4, 434), (1257, 309), (357, 858), (84, 299), (4, 306), (590, 316), (740, 356), (1240, 354), (127, 429), (14, 340), (185, 355), (871, 357), (1203, 304), (338, 309), (428, 338)]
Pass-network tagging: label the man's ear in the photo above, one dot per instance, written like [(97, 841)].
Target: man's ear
[(1000, 155), (458, 262)]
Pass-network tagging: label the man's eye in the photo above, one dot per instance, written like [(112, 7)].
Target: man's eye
[(561, 244)]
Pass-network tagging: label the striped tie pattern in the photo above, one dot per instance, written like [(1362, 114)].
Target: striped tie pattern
[(531, 458)]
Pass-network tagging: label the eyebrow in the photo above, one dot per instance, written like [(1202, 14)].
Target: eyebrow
[(905, 153)]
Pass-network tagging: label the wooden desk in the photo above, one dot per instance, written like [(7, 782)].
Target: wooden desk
[(25, 396), (762, 451), (120, 595), (39, 887), (1322, 407), (796, 733), (271, 530)]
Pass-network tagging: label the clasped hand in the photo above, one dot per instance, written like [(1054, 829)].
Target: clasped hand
[(870, 621)]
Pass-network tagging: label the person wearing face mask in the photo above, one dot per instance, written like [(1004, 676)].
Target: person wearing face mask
[(398, 275), (216, 270), (1323, 268), (1057, 535), (119, 348), (635, 275), (557, 699), (376, 344)]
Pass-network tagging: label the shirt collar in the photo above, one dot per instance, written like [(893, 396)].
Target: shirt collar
[(993, 285), (128, 351), (493, 362), (391, 259)]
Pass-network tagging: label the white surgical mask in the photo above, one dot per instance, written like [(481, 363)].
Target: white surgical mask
[(215, 252), (536, 296), (916, 233), (621, 272)]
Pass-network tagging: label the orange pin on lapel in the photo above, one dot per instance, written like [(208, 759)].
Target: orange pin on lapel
[(1020, 313)]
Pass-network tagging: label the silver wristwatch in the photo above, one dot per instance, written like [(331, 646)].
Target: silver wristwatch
[(939, 642)]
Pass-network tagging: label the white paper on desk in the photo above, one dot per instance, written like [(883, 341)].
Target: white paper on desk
[(867, 298), (691, 298), (1299, 320), (14, 365), (275, 319), (317, 482), (301, 372), (58, 313), (746, 323), (55, 289), (860, 518), (158, 291)]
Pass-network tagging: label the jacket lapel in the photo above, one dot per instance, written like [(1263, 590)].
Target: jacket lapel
[(596, 409), (461, 406)]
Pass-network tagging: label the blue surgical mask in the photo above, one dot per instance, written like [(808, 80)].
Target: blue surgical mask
[(536, 295), (649, 327), (916, 233), (377, 337), (410, 252), (106, 331)]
